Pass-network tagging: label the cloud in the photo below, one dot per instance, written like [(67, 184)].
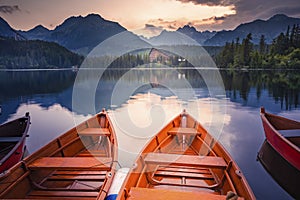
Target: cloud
[(214, 19), (168, 24), (9, 9), (149, 26), (149, 30), (209, 2), (201, 24), (246, 11), (170, 27)]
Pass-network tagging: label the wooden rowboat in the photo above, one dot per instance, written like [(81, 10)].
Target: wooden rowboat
[(287, 146), (183, 161), (80, 164), (12, 141)]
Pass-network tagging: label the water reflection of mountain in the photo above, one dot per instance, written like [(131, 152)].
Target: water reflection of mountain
[(26, 83), (252, 88), (46, 88), (42, 87)]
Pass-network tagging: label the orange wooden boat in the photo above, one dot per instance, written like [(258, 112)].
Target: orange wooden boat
[(12, 141), (79, 164), (183, 161)]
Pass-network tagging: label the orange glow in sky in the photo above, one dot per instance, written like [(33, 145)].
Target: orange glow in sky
[(146, 16), (132, 14)]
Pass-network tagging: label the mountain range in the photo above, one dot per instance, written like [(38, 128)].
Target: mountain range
[(81, 34), (270, 28), (78, 34), (5, 29)]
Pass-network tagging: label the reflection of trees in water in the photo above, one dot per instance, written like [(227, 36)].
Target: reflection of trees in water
[(19, 83), (283, 86), (45, 88), (142, 75)]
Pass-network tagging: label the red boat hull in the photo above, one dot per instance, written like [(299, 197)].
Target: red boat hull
[(282, 145), (12, 141), (15, 157)]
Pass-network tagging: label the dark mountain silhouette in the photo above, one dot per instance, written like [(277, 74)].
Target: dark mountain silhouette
[(82, 34), (200, 37), (171, 38), (79, 34), (270, 28), (5, 29), (38, 32)]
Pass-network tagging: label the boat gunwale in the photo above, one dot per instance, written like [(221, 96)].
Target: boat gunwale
[(21, 139), (264, 116)]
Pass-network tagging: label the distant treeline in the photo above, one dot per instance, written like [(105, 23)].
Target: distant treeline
[(284, 52), (35, 54)]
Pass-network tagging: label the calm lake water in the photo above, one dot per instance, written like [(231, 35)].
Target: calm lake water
[(139, 109)]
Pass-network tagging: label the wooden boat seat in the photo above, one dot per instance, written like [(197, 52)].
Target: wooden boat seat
[(77, 177), (79, 172), (162, 194), (186, 160), (95, 153), (10, 139), (183, 174), (72, 163), (94, 132), (186, 131), (62, 194)]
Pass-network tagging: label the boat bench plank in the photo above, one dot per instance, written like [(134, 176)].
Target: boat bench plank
[(187, 131), (94, 132), (95, 153), (186, 160), (162, 194), (71, 163), (185, 169), (74, 194), (183, 174), (79, 172), (10, 139), (77, 177), (61, 198)]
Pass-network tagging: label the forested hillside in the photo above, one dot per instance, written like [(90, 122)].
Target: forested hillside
[(35, 54), (284, 52)]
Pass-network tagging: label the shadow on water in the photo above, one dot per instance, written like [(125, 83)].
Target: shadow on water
[(281, 171)]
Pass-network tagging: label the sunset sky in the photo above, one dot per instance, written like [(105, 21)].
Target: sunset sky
[(146, 15)]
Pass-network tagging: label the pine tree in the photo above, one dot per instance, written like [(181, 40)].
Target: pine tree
[(292, 36), (262, 45), (287, 36), (247, 49)]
